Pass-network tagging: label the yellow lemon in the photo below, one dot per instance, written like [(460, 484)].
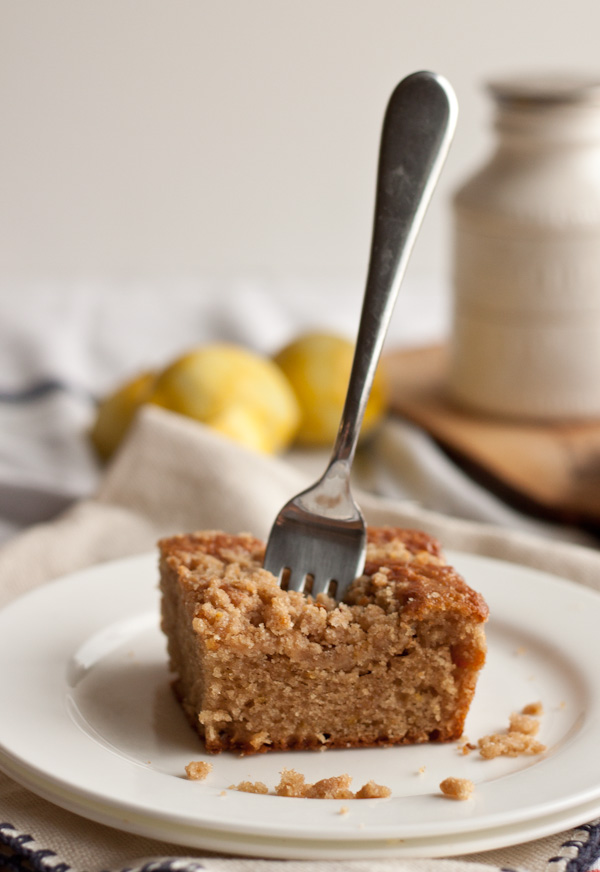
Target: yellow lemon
[(116, 412), (317, 366), (243, 425), (238, 392)]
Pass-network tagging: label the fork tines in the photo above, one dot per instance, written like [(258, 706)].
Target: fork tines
[(315, 556)]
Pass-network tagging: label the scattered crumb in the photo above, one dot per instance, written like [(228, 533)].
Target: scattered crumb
[(337, 787), (466, 748), (291, 783), (223, 793), (509, 745), (533, 708), (197, 770), (421, 771), (518, 739), (250, 787), (344, 810), (519, 723), (371, 790), (457, 788)]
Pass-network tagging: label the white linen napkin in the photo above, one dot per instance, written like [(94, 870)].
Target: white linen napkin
[(173, 475)]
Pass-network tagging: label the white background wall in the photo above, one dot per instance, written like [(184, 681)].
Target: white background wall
[(160, 138)]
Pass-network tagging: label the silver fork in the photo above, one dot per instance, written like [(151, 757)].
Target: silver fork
[(318, 540)]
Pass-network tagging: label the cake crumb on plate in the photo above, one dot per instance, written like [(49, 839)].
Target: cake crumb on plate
[(518, 739), (509, 745), (457, 788), (291, 783), (337, 787), (197, 770), (250, 787), (371, 790), (520, 723)]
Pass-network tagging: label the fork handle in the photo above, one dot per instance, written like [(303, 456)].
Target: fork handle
[(417, 130)]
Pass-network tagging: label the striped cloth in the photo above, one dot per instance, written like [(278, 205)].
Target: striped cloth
[(19, 852)]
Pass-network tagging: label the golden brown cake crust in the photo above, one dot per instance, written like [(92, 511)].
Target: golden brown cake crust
[(236, 639)]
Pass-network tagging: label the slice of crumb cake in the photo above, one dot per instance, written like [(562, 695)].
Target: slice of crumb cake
[(262, 668)]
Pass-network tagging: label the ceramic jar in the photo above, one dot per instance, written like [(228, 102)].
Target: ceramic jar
[(526, 318)]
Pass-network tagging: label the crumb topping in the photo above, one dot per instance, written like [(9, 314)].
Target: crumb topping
[(243, 604)]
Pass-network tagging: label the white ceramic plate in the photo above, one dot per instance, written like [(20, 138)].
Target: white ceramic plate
[(90, 723)]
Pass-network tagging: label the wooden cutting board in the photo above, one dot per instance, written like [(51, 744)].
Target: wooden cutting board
[(553, 469)]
